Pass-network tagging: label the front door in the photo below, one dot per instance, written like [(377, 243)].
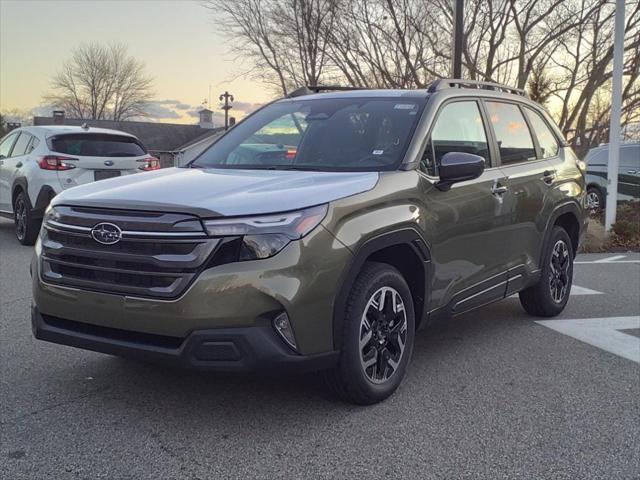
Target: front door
[(6, 172), (468, 220)]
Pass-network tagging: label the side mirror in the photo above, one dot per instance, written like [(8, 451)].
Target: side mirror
[(457, 167)]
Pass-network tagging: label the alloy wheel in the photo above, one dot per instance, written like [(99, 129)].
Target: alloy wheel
[(593, 201), (20, 214), (560, 264), (383, 335)]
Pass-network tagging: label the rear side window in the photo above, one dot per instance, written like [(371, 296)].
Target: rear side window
[(546, 138), (97, 145), (458, 128), (20, 148), (512, 133), (34, 144)]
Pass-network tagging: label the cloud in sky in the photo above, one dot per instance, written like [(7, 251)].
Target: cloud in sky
[(246, 107), (158, 110)]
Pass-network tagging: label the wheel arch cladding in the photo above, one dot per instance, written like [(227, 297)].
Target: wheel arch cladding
[(19, 185), (571, 225), (406, 251)]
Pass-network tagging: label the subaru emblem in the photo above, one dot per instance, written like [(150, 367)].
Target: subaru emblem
[(108, 163), (106, 233)]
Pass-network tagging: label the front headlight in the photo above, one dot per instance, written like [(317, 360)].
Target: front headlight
[(265, 235)]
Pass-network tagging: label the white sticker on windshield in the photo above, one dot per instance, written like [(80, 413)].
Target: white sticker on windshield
[(405, 106), (378, 152)]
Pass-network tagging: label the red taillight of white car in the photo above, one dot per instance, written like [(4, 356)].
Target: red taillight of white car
[(149, 163), (56, 162)]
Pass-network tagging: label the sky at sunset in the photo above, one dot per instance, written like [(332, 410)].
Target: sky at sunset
[(177, 39)]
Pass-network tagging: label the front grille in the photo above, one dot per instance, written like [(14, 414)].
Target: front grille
[(158, 256)]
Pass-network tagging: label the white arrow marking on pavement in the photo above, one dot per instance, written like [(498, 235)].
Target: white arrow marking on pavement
[(602, 333)]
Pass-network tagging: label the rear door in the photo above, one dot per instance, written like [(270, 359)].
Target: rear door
[(96, 156), (526, 160), (470, 217)]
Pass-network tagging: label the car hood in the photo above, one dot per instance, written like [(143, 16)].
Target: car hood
[(219, 192)]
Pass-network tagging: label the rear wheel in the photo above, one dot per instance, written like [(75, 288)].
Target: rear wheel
[(550, 295), (378, 334), (26, 227)]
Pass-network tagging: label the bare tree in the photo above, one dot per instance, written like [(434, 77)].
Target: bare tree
[(560, 50), (101, 82)]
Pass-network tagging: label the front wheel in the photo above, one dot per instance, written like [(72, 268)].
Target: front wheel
[(550, 295), (378, 334)]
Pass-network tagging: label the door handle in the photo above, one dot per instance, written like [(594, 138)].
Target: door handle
[(18, 165), (548, 176), (633, 172), (498, 189)]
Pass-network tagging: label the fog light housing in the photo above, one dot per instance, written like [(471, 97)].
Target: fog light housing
[(282, 325)]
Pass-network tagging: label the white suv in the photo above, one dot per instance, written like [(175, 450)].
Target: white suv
[(36, 163)]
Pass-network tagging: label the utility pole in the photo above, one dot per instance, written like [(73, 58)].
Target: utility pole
[(227, 97), (458, 33), (614, 122)]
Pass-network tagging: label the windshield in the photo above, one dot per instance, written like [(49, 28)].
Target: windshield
[(348, 134)]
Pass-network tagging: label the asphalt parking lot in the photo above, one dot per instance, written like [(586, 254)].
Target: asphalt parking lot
[(491, 394)]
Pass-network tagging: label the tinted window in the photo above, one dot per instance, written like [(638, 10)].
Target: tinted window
[(512, 134), (320, 134), (97, 145), (546, 138), (20, 148), (6, 144), (630, 156), (458, 128)]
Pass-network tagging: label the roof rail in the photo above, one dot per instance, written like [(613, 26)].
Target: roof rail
[(311, 89), (444, 83)]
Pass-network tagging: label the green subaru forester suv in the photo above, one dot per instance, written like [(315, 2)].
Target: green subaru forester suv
[(318, 234)]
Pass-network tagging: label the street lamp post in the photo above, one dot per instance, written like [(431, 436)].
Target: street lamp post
[(614, 121), (458, 33), (227, 97)]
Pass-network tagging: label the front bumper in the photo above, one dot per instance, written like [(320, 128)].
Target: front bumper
[(254, 348), (300, 280)]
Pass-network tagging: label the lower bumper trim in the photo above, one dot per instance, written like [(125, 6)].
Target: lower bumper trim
[(242, 349)]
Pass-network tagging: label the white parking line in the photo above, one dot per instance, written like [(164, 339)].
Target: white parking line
[(610, 259), (578, 290), (598, 262), (602, 333), (575, 290)]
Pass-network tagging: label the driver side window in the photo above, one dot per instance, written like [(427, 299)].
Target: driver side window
[(458, 128), (7, 143)]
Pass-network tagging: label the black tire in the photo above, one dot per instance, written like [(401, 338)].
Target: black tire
[(390, 343), (595, 200), (27, 228), (549, 296)]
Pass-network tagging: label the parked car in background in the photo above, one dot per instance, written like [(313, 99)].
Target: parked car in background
[(628, 175), (36, 163)]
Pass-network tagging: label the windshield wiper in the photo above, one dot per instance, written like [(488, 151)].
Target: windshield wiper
[(293, 167)]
